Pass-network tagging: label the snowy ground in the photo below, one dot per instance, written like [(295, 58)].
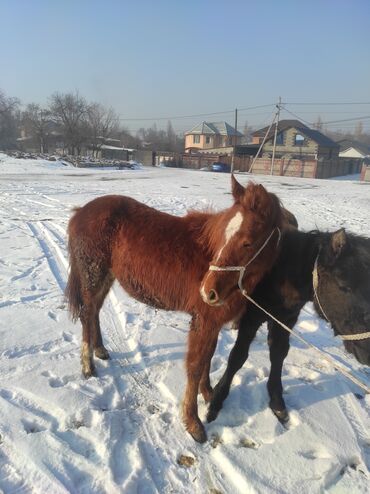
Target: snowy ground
[(121, 432)]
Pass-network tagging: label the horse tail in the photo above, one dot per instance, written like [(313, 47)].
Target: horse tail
[(73, 291)]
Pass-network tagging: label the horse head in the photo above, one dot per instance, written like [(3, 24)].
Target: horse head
[(244, 241), (342, 279)]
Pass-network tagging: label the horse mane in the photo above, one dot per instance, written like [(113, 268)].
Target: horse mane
[(203, 225), (361, 246)]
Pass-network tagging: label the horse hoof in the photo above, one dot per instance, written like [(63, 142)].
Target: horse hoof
[(87, 373), (282, 415), (102, 353), (212, 415)]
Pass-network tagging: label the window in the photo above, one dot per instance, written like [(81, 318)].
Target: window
[(280, 139), (299, 140), (208, 139), (230, 141), (196, 139)]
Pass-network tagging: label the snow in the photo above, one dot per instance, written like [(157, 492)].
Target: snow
[(121, 432), (107, 146)]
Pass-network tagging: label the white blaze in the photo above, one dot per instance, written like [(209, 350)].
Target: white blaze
[(232, 228)]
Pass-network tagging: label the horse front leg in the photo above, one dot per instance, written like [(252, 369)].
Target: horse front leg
[(248, 327), (278, 340), (201, 344), (205, 387)]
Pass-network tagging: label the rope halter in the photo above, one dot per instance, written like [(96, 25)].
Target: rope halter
[(242, 269), (315, 283)]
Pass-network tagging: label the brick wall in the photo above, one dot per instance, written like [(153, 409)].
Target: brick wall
[(365, 173)]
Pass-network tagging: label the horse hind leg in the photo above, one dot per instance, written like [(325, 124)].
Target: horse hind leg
[(87, 318), (95, 286), (99, 349)]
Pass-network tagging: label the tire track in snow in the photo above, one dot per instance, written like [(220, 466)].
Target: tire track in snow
[(177, 437), (56, 432), (150, 444), (53, 247), (58, 266), (48, 245)]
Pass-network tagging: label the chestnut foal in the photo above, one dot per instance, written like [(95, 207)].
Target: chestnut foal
[(163, 261)]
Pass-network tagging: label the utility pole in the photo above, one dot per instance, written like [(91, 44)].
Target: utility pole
[(235, 137), (278, 106), (261, 144)]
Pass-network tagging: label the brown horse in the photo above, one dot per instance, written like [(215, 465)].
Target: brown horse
[(163, 261)]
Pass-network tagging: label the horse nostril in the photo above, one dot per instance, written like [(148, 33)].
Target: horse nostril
[(212, 296)]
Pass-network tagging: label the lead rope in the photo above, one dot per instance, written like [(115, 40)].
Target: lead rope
[(332, 361)]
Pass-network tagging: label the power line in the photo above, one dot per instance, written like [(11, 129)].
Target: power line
[(197, 115), (324, 104), (355, 119), (297, 116), (347, 120)]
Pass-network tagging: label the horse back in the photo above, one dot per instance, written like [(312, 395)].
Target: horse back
[(154, 255)]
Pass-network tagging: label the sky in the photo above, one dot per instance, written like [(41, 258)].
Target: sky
[(158, 59)]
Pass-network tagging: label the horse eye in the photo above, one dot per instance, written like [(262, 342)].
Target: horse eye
[(247, 244), (344, 289)]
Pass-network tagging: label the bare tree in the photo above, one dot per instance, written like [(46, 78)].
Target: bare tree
[(37, 123), (359, 129), (102, 123), (171, 137), (70, 112), (318, 125), (8, 121), (129, 140), (247, 133), (161, 140)]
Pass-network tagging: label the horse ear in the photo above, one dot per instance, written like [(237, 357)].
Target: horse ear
[(338, 242), (237, 189), (289, 220), (256, 197)]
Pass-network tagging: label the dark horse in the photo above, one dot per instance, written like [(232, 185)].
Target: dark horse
[(163, 261), (342, 296)]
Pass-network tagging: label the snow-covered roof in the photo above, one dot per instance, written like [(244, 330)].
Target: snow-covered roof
[(106, 146)]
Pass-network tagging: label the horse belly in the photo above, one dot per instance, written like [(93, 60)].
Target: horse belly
[(143, 293), (153, 268)]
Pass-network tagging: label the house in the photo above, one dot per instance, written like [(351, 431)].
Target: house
[(295, 140), (300, 152), (365, 172), (353, 149), (211, 136)]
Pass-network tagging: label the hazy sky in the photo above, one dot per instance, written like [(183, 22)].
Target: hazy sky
[(171, 58)]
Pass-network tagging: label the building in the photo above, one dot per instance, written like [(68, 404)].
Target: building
[(296, 140), (300, 152), (353, 149), (365, 172), (212, 136)]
